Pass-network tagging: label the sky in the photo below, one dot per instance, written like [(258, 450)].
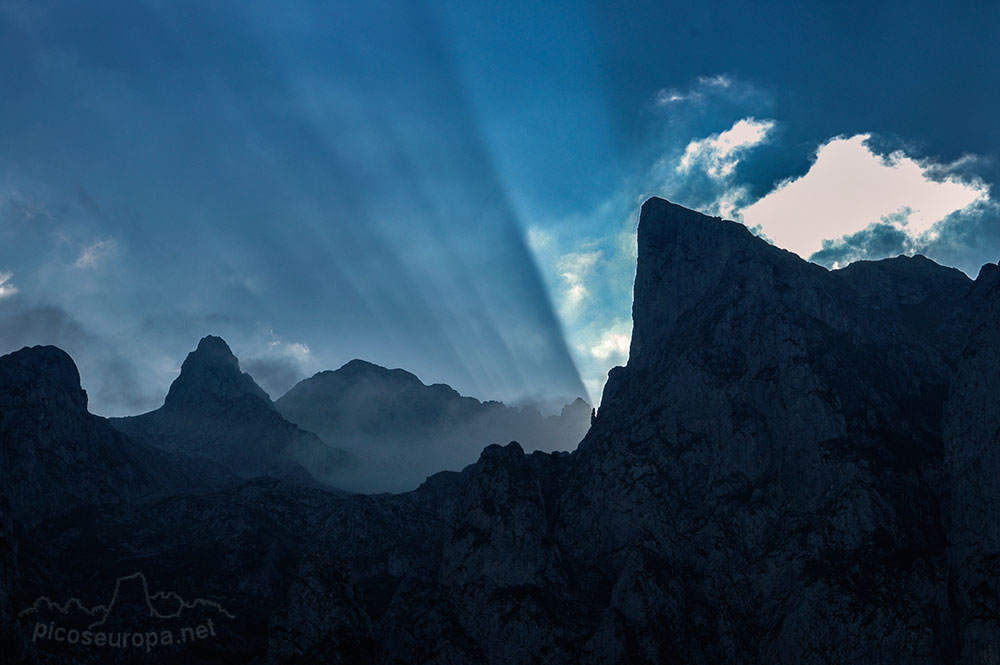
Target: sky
[(453, 188)]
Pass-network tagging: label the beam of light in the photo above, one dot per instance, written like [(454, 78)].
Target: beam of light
[(288, 177)]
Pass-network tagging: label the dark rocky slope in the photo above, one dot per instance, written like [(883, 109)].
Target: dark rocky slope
[(796, 466), (971, 428), (399, 431), (216, 412)]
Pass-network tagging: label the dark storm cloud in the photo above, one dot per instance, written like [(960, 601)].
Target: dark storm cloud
[(966, 239), (878, 241)]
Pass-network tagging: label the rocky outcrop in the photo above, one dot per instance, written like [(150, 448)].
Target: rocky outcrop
[(399, 431), (216, 412)]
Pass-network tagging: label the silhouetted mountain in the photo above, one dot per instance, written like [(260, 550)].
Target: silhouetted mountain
[(399, 431), (795, 466), (55, 455), (788, 421), (215, 411)]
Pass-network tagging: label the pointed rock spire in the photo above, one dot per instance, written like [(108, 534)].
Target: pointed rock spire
[(211, 373)]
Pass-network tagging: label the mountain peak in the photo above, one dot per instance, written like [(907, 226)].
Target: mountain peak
[(216, 348), (682, 256), (358, 367), (360, 370), (41, 376), (212, 372)]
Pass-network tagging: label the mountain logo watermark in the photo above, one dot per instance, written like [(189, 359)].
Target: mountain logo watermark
[(133, 618)]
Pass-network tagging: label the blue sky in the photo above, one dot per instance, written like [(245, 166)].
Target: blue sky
[(453, 187)]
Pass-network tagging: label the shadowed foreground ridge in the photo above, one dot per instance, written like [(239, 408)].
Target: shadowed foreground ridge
[(795, 466)]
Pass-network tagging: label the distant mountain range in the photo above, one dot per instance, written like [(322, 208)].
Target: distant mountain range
[(399, 431), (378, 429), (796, 466)]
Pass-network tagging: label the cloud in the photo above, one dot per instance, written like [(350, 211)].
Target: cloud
[(298, 348), (965, 239), (720, 153), (93, 254), (707, 174), (613, 344), (275, 374), (276, 365), (703, 87), (7, 288), (574, 269), (600, 345), (538, 239), (849, 187), (41, 324), (875, 242)]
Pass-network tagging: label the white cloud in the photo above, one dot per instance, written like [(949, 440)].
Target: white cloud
[(849, 188), (717, 81), (6, 288), (670, 96), (613, 344), (719, 154), (702, 86), (276, 345), (538, 239), (599, 346), (298, 348), (574, 269), (94, 253)]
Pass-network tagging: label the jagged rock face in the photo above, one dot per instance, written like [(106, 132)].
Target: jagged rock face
[(972, 454), (215, 411), (54, 455), (498, 560), (399, 431), (321, 620)]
